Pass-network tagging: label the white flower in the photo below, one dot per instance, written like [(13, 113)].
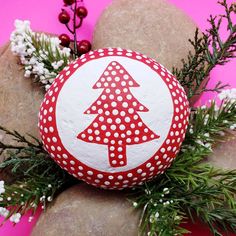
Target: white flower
[(47, 86), (2, 188), (22, 45), (4, 212), (229, 94), (177, 218), (31, 218), (233, 127), (27, 74), (49, 199), (15, 218), (157, 214), (206, 119), (166, 190), (135, 204), (152, 218)]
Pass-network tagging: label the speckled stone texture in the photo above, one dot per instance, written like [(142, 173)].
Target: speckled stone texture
[(224, 154), (153, 27), (20, 98), (85, 211)]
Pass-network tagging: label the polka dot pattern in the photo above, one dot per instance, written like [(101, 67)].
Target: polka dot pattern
[(119, 128)]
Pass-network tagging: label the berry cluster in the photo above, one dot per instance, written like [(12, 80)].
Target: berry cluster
[(79, 13)]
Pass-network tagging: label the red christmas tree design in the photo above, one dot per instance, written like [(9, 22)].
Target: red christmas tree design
[(117, 124)]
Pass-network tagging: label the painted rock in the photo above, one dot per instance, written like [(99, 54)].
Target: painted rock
[(114, 118)]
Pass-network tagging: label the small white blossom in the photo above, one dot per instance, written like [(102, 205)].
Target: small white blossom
[(15, 218), (177, 218), (157, 214), (166, 203), (206, 119), (27, 73), (4, 212), (22, 45), (229, 94), (135, 204), (30, 218), (191, 130), (147, 191), (166, 190), (152, 218), (49, 199), (2, 188), (233, 127)]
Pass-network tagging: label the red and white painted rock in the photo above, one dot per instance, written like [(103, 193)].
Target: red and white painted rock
[(114, 118)]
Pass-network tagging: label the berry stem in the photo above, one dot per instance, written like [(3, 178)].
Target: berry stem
[(74, 28), (80, 23), (69, 29)]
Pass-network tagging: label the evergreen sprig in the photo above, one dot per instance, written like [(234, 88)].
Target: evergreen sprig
[(34, 179), (193, 188), (209, 50)]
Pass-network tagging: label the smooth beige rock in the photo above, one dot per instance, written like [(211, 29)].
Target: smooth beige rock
[(224, 155), (85, 211), (153, 27), (20, 98)]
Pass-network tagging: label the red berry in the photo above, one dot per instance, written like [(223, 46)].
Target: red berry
[(65, 40), (81, 12), (68, 2), (84, 46), (64, 17)]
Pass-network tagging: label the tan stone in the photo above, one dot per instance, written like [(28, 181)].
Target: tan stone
[(20, 99), (224, 154), (84, 211), (153, 27)]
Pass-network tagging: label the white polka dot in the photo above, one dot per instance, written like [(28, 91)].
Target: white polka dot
[(122, 113), (54, 139), (103, 127), (125, 76), (89, 172), (64, 156), (113, 104), (109, 120), (113, 127), (100, 176), (122, 127), (125, 104), (139, 171), (101, 118), (115, 112), (117, 91)]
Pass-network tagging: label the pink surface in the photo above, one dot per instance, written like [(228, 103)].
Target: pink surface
[(43, 16)]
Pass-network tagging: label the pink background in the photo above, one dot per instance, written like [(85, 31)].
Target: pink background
[(43, 16)]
